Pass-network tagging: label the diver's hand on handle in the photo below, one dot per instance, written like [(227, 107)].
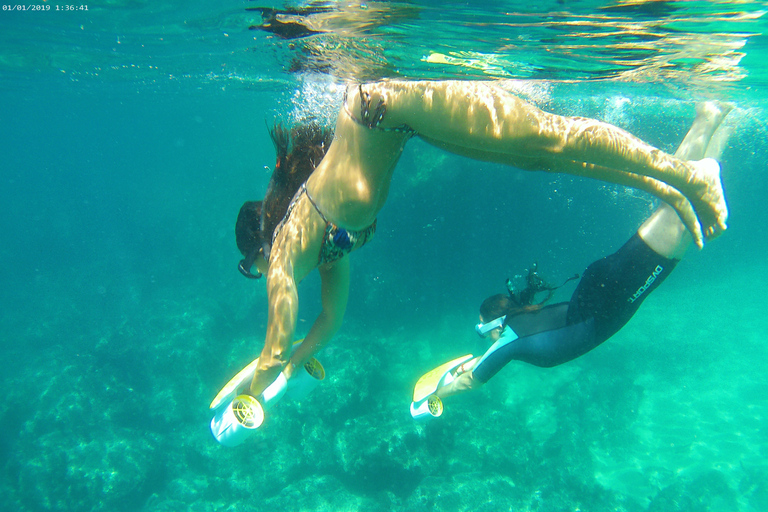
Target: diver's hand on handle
[(425, 402)]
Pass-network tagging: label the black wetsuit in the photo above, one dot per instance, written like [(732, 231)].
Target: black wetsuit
[(607, 296)]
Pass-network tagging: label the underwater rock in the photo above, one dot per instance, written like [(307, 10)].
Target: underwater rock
[(754, 486), (708, 492), (80, 444), (473, 491), (373, 462), (81, 474), (316, 492)]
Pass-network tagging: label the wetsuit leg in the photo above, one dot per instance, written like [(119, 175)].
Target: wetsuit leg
[(613, 288), (546, 349)]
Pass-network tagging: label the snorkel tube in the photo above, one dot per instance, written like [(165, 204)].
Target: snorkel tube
[(533, 285)]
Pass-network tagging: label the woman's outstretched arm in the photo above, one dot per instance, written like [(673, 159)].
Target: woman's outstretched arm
[(334, 284)]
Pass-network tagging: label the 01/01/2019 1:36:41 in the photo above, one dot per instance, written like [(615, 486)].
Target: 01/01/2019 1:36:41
[(44, 7)]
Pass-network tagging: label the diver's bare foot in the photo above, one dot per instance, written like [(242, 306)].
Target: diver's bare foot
[(708, 198)]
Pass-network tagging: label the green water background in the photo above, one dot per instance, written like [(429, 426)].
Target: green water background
[(132, 132)]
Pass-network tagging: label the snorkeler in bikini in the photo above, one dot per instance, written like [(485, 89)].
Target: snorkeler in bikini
[(334, 211)]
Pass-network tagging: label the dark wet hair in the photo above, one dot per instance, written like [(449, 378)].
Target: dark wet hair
[(517, 301), (500, 304), (299, 150)]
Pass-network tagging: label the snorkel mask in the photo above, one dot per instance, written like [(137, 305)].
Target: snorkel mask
[(249, 237), (483, 329), (246, 263)]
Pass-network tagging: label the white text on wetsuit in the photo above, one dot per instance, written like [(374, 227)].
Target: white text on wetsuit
[(648, 282)]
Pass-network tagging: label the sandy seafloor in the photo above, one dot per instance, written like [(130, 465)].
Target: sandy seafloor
[(123, 313)]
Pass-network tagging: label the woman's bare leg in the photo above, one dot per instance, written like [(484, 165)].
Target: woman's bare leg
[(481, 120)]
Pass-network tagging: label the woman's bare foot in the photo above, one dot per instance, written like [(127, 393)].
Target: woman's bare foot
[(708, 198)]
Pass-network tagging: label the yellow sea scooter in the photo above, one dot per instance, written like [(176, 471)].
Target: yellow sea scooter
[(237, 414), (426, 404)]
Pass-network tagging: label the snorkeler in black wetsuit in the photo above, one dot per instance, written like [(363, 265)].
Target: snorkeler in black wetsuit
[(608, 295)]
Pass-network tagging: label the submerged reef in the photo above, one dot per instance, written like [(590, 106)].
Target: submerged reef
[(122, 425)]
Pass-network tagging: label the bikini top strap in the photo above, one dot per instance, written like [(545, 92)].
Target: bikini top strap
[(302, 190), (312, 200)]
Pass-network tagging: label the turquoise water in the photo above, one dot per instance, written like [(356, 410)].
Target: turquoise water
[(131, 134)]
